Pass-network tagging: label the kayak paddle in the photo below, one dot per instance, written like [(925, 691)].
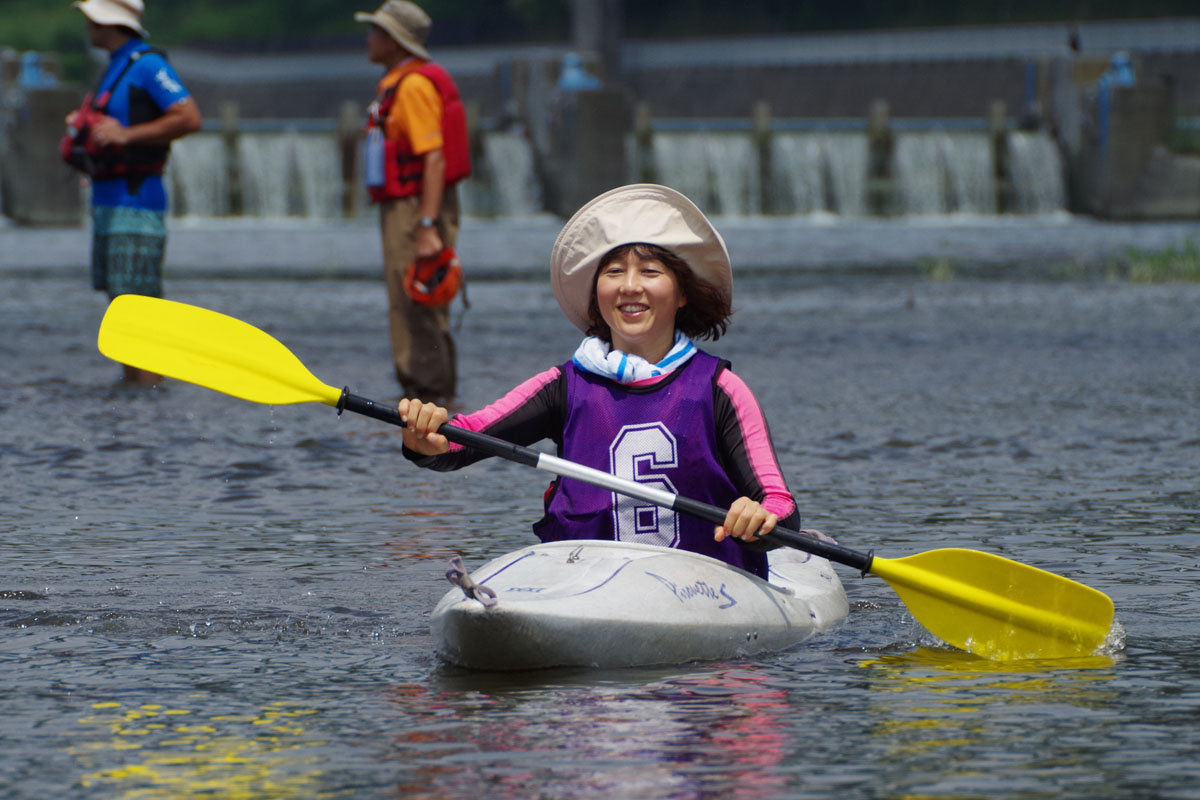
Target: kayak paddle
[(979, 602)]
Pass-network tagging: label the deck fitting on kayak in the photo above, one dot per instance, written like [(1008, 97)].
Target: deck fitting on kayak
[(457, 574)]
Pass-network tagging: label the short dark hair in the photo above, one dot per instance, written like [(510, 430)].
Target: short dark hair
[(704, 316)]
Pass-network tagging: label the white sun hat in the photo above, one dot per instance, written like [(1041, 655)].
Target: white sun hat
[(115, 12), (643, 213)]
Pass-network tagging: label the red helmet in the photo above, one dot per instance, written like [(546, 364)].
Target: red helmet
[(434, 281)]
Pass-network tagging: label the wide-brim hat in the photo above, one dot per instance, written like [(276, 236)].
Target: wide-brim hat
[(405, 22), (115, 12), (643, 213)]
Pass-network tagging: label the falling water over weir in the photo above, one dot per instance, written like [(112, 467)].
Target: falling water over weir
[(301, 171)]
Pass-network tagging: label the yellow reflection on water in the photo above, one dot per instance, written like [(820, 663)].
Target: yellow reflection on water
[(152, 751), (957, 663), (933, 701)]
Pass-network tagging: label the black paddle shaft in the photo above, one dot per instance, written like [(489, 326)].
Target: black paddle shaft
[(476, 441), (531, 458)]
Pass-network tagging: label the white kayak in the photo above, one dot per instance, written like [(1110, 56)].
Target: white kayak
[(612, 604)]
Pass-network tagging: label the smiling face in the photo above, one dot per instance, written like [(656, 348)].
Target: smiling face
[(638, 297)]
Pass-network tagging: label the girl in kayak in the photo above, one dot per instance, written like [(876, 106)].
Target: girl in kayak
[(642, 273)]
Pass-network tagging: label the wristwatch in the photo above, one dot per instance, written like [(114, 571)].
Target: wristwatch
[(426, 222)]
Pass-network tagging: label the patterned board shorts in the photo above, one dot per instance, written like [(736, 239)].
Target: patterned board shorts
[(127, 250)]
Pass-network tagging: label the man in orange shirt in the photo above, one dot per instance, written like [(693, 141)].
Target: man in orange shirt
[(416, 152)]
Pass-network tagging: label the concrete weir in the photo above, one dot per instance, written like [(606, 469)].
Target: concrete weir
[(287, 171), (959, 121)]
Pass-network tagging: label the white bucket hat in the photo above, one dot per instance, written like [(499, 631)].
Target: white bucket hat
[(115, 12), (643, 213), (406, 23)]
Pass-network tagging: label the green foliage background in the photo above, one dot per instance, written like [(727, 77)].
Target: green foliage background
[(54, 25)]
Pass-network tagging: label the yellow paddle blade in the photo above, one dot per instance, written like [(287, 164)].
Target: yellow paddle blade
[(998, 608), (209, 349)]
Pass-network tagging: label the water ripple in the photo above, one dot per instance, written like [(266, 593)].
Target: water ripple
[(175, 547)]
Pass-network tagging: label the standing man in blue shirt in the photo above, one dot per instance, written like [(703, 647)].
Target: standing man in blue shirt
[(121, 137)]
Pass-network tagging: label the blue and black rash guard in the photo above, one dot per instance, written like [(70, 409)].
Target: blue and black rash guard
[(140, 92)]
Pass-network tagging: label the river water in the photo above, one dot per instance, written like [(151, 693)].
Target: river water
[(205, 597)]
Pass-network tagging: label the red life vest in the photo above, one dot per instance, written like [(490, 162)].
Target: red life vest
[(403, 169), (102, 162)]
